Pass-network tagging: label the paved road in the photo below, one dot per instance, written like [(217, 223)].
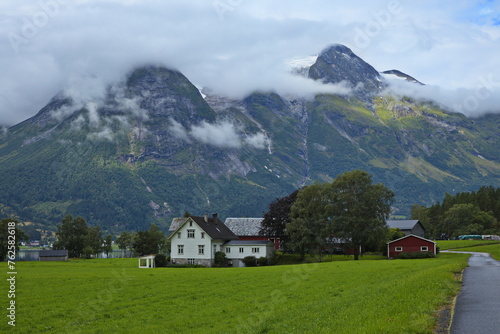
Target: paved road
[(477, 309)]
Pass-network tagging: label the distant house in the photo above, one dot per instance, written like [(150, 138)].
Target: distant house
[(53, 255), (408, 227), (195, 240), (409, 244), (248, 229)]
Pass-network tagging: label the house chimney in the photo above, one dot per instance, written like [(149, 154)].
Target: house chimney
[(214, 216), (205, 217)]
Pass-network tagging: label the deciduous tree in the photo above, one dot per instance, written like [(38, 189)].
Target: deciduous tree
[(310, 225), (277, 217), (10, 235), (359, 210), (151, 241), (72, 235)]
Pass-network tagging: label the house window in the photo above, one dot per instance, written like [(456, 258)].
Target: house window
[(201, 249), (179, 235), (228, 249), (424, 249), (242, 249), (191, 261), (398, 249), (180, 249), (190, 233), (190, 224), (203, 235), (215, 249), (255, 249)]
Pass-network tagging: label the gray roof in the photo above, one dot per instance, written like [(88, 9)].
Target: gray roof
[(244, 227), (247, 242), (53, 253), (402, 224), (176, 223), (213, 227)]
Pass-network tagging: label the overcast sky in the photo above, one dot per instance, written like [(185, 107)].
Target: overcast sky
[(237, 46)]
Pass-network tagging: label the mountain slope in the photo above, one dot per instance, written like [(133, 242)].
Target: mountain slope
[(154, 148)]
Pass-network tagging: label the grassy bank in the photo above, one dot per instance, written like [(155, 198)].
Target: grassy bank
[(101, 296), (494, 250), (452, 244)]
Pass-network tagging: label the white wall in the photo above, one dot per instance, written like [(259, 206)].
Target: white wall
[(191, 244), (264, 251)]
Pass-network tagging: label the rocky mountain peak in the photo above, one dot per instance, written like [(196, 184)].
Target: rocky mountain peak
[(337, 63)]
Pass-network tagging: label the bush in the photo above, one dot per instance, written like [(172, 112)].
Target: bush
[(220, 259), (415, 255), (262, 261), (250, 261), (160, 260)]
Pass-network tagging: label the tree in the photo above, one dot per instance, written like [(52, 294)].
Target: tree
[(108, 245), (10, 237), (72, 235), (359, 209), (94, 239), (125, 241), (309, 227), (395, 233), (151, 241), (277, 217)]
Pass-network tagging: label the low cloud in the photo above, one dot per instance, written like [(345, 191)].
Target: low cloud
[(222, 134), (472, 102), (80, 47)]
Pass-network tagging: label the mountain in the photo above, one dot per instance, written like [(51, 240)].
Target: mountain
[(155, 147)]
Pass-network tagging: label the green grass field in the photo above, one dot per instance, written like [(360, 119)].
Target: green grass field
[(494, 250), (452, 244), (103, 296)]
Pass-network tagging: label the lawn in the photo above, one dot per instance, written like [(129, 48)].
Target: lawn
[(494, 250), (113, 295), (452, 244)]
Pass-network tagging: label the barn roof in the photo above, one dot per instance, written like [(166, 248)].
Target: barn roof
[(53, 253), (411, 236), (244, 226), (402, 224)]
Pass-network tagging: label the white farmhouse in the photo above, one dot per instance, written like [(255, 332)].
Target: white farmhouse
[(195, 240)]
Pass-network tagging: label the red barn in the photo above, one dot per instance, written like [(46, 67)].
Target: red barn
[(408, 244)]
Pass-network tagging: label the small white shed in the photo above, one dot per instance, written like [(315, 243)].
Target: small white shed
[(147, 261)]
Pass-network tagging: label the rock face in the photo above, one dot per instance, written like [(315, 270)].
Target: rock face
[(338, 63), (154, 148)]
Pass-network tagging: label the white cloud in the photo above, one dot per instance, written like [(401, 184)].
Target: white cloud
[(472, 102), (222, 134), (258, 140), (179, 131), (81, 46)]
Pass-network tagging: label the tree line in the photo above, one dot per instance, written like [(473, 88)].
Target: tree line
[(351, 210), (466, 213), (86, 241)]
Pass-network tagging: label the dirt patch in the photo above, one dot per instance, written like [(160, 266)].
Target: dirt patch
[(443, 319), (444, 314)]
